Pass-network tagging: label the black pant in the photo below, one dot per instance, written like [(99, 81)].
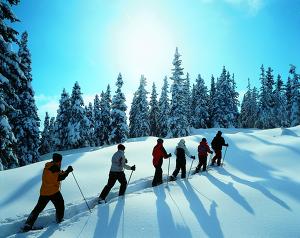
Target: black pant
[(202, 162), (58, 203), (113, 177), (180, 165), (157, 179)]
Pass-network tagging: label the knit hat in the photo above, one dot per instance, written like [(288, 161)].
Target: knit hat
[(160, 140), (204, 140), (121, 147), (56, 157)]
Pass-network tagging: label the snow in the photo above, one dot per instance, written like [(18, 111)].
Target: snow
[(255, 194)]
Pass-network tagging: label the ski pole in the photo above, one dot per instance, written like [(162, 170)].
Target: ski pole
[(128, 180), (209, 160), (130, 176), (168, 172), (224, 155), (81, 193), (190, 169)]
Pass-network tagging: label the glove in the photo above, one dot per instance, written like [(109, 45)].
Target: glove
[(133, 168), (69, 169), (169, 155), (126, 161), (227, 145), (193, 157)]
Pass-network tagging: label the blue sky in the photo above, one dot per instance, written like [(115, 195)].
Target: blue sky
[(91, 43)]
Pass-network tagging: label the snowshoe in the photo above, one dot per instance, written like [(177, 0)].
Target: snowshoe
[(172, 178), (101, 201), (28, 228)]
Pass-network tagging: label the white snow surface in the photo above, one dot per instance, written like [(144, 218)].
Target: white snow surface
[(255, 194)]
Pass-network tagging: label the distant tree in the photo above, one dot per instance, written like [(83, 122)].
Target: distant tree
[(295, 97), (105, 105), (164, 110), (45, 143), (245, 115), (78, 122), (119, 128), (62, 122), (266, 118), (288, 94), (139, 113), (200, 116), (90, 125), (178, 123), (280, 106), (224, 115), (52, 138), (154, 113), (98, 120), (211, 102), (188, 96)]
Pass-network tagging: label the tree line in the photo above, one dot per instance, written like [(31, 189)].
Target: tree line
[(179, 108)]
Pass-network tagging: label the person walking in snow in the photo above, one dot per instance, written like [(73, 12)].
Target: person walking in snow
[(118, 163), (216, 145), (159, 153), (203, 149), (180, 153), (51, 179)]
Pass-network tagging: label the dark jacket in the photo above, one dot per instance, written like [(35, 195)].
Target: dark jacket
[(203, 149), (218, 142)]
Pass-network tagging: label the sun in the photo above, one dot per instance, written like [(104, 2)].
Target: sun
[(142, 44)]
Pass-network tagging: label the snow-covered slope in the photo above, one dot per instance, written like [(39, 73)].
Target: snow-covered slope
[(256, 193)]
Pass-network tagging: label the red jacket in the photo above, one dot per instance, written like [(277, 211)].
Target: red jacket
[(203, 149), (158, 154)]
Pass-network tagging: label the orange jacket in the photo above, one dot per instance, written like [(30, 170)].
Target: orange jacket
[(52, 175)]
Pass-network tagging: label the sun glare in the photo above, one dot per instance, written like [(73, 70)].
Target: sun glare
[(143, 45)]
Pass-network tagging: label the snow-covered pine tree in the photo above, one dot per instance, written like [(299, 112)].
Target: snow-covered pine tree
[(132, 116), (52, 139), (97, 119), (77, 125), (90, 124), (245, 115), (178, 123), (200, 116), (254, 107), (45, 142), (164, 110), (105, 105), (234, 96), (10, 75), (295, 100), (62, 121), (154, 113), (188, 96), (139, 113), (119, 128), (211, 102), (224, 116), (27, 123), (266, 101), (288, 94), (280, 111), (7, 140)]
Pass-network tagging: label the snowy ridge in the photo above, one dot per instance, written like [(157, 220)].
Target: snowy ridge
[(256, 193)]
